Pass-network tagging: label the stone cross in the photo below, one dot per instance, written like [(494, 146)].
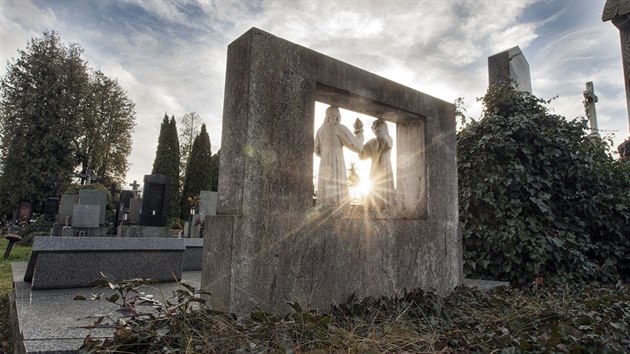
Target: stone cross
[(87, 177), (618, 12), (134, 188), (589, 107)]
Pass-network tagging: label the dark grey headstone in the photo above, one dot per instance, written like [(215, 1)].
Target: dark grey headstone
[(52, 207), (155, 200), (25, 210), (135, 205), (85, 216)]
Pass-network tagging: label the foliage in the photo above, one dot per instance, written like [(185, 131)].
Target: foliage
[(57, 115), (538, 197), (189, 128), (42, 109), (538, 320), (106, 141), (167, 162), (198, 171), (39, 227)]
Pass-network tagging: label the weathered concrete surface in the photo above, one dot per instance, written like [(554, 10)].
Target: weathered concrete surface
[(267, 243)]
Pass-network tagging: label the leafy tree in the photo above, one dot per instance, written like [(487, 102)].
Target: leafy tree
[(539, 197), (56, 117), (167, 161), (188, 130), (198, 171), (42, 104), (105, 142)]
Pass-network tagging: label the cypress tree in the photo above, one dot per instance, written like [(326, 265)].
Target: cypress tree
[(167, 161), (198, 171)]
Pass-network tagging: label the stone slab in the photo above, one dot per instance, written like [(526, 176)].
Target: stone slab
[(49, 320), (193, 255), (135, 205), (86, 215), (95, 197), (511, 67), (144, 231), (65, 207), (63, 262), (207, 203)]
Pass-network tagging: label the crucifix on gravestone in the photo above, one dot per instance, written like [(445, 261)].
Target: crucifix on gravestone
[(589, 106), (134, 188), (87, 177)]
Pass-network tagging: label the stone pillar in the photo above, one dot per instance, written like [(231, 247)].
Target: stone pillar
[(618, 12)]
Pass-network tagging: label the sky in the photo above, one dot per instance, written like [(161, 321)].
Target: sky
[(170, 55)]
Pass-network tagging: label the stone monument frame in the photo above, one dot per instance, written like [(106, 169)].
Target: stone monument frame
[(267, 244)]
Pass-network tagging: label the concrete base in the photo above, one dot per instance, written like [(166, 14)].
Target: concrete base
[(48, 321), (484, 284), (65, 262), (325, 261), (143, 231), (193, 255)]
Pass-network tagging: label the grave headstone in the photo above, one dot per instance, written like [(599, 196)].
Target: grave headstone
[(155, 200), (135, 204), (25, 211), (86, 216), (123, 206), (207, 203), (94, 197), (65, 207), (510, 67), (52, 208), (268, 244)]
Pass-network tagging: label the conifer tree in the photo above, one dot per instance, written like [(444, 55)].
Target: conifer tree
[(167, 161), (198, 171)]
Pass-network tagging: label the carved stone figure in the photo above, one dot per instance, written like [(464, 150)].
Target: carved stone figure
[(381, 174), (332, 136)]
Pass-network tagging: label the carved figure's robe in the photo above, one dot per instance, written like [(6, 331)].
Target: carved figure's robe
[(332, 181), (381, 173)]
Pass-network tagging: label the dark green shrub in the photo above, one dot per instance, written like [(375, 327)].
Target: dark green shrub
[(538, 196)]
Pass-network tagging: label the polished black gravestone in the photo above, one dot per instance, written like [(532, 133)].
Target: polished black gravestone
[(155, 200)]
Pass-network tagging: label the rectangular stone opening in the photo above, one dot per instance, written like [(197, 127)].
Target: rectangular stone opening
[(408, 131)]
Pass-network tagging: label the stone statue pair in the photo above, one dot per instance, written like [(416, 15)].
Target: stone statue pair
[(332, 136)]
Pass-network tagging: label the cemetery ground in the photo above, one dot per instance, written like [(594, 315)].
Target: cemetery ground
[(537, 318)]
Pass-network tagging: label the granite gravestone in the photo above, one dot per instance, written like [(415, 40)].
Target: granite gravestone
[(155, 200), (267, 244), (52, 208), (86, 216), (135, 205), (122, 211), (510, 67), (94, 197)]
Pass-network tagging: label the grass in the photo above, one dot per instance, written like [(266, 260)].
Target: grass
[(18, 254), (577, 319)]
